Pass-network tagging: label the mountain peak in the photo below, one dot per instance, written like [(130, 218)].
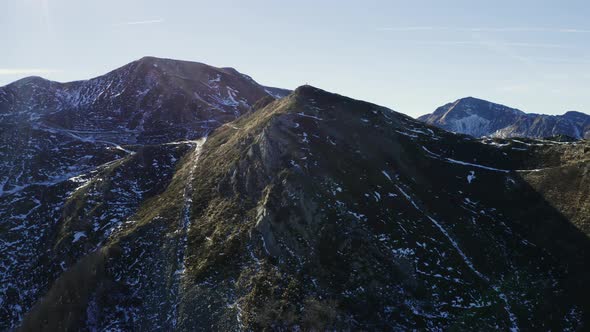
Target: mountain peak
[(479, 117), (185, 67), (576, 114), (477, 103), (196, 98), (37, 80), (471, 99), (314, 94), (152, 59), (307, 89)]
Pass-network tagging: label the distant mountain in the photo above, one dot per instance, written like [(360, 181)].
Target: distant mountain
[(149, 100), (480, 118)]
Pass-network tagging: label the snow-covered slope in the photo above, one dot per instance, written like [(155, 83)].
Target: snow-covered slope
[(480, 118)]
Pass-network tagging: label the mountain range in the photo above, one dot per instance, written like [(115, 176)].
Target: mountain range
[(170, 195), (479, 118)]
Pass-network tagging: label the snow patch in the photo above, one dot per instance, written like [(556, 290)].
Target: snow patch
[(78, 236), (387, 175), (471, 176), (473, 125)]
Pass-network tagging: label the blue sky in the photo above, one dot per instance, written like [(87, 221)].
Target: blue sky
[(411, 56)]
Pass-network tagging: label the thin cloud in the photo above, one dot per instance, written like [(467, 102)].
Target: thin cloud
[(154, 21), (572, 61), (485, 43), (26, 71), (505, 49), (401, 29), (516, 29), (484, 29)]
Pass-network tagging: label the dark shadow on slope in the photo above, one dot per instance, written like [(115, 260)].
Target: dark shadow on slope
[(560, 248)]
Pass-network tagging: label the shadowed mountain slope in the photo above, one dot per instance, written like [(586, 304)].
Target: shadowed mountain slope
[(317, 211)]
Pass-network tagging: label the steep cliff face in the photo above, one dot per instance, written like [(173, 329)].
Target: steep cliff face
[(317, 211), (480, 118)]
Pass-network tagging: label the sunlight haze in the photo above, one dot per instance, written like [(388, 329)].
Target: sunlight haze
[(409, 56)]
